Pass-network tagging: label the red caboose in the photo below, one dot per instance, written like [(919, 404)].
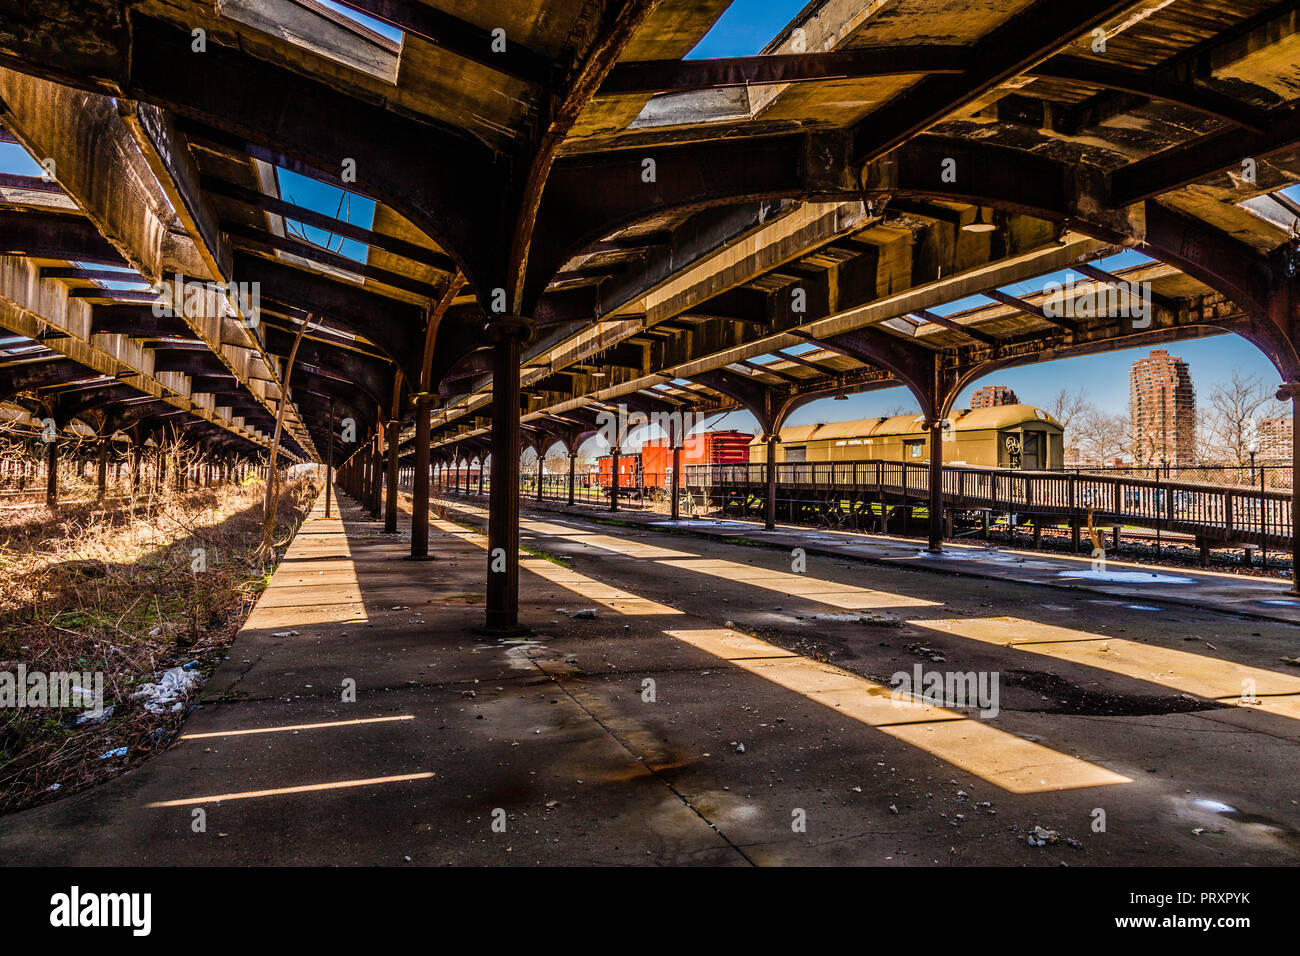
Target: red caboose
[(650, 467)]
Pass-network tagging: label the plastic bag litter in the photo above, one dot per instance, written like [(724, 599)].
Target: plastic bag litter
[(168, 693), (93, 717)]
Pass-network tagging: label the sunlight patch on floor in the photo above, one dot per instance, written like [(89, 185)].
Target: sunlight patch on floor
[(295, 727), (845, 596), (615, 599), (1199, 674), (285, 791), (1004, 760)]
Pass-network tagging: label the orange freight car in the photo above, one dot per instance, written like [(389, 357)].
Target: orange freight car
[(649, 469)]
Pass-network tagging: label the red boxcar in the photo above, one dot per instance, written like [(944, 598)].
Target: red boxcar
[(649, 468)]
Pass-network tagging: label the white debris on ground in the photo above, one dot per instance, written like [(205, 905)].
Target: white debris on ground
[(168, 692), (1043, 837)]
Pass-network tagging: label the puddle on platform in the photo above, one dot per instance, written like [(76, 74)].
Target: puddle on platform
[(701, 523), (1126, 577), (1014, 560), (520, 652)]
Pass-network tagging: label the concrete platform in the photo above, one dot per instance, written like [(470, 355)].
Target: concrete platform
[(688, 701), (1265, 598)]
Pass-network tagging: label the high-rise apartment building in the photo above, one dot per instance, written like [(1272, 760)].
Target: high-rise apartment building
[(1162, 406), (990, 396), (1275, 438)]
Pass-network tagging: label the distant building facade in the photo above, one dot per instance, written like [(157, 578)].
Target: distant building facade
[(1162, 408), (1275, 438), (991, 396)]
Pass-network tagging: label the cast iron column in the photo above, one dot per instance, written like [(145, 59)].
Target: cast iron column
[(1295, 487), (329, 459), (770, 522), (390, 501), (676, 490), (363, 478), (613, 470), (507, 334), (52, 474), (420, 483), (376, 477), (936, 488), (101, 478), (573, 458)]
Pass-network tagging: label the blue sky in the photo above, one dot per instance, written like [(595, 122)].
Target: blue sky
[(14, 159), (329, 201), (746, 27), (379, 26)]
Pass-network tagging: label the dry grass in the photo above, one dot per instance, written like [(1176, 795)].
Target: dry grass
[(115, 589)]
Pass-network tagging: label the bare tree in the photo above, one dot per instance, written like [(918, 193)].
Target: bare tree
[(1230, 425), (1070, 407), (1102, 435), (272, 501)]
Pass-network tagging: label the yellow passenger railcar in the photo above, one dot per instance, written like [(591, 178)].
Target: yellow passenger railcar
[(1005, 436)]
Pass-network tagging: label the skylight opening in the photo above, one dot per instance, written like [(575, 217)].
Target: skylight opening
[(329, 201), (131, 280), (1281, 208), (746, 27), (960, 305), (16, 161), (386, 30), (327, 28), (105, 268), (1114, 264)]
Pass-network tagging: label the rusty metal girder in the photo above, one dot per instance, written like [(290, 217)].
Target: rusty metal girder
[(1021, 42), (591, 196), (47, 235), (395, 327)]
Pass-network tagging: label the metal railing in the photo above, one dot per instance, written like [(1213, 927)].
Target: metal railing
[(1219, 513), (1270, 476)]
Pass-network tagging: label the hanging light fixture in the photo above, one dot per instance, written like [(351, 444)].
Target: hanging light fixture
[(979, 225)]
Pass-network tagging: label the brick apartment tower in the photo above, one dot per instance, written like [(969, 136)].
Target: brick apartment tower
[(990, 396), (1162, 406), (1275, 439)]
